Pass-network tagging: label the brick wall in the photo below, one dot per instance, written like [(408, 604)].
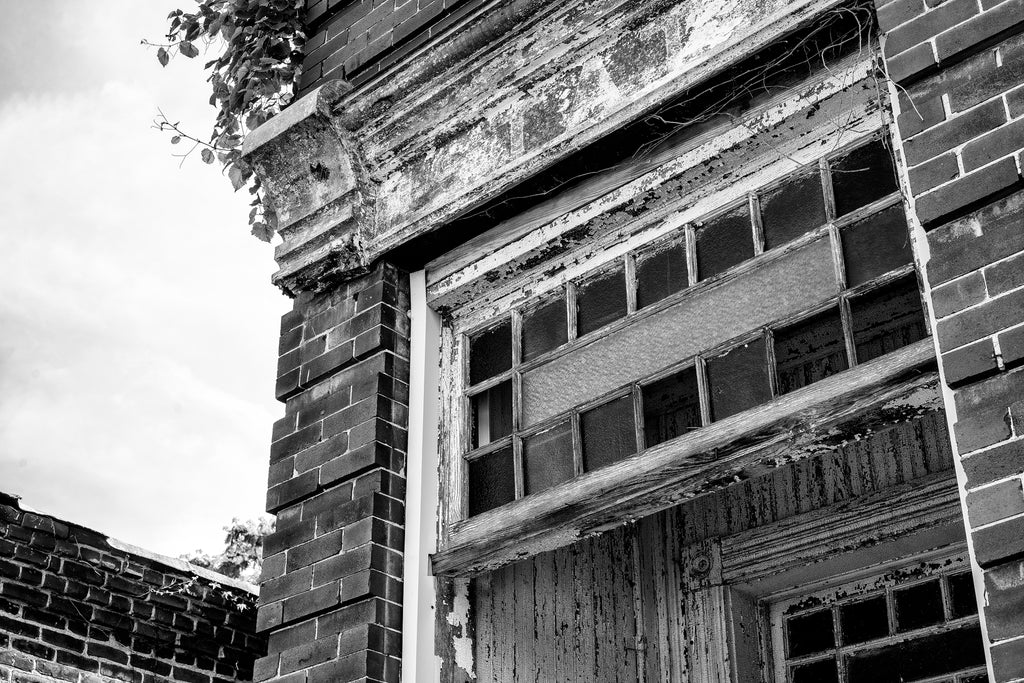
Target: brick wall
[(330, 595), (355, 39), (958, 66), (77, 607)]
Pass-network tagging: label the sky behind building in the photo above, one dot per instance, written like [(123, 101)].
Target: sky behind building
[(138, 327)]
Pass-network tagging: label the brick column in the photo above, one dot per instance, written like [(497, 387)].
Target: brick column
[(330, 595), (958, 72)]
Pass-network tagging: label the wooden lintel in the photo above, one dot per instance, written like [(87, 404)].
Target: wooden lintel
[(683, 468)]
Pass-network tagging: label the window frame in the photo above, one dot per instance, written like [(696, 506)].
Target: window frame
[(686, 236)]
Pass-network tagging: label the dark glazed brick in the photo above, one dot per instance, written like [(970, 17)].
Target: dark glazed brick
[(995, 502), (1004, 592), (312, 601), (974, 241), (894, 13), (954, 132), (1001, 390), (933, 173), (918, 113), (978, 430), (997, 463), (1008, 661), (1006, 16), (908, 65), (966, 191), (1007, 275), (958, 295), (970, 363), (309, 654), (928, 25), (999, 143), (999, 542), (983, 320), (1011, 346), (291, 491)]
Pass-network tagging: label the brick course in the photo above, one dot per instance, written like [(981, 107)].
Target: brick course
[(330, 595), (75, 606), (960, 68)]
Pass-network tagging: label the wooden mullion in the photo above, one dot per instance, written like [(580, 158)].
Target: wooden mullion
[(488, 383), (488, 448), (630, 276), (517, 466), (638, 417), (826, 190), (690, 240), (577, 442), (570, 307), (773, 369), (754, 204), (847, 320), (700, 366)]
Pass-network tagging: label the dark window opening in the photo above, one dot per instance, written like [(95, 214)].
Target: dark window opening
[(863, 176), (547, 458), (876, 245), (963, 602), (810, 350), (660, 273), (887, 318), (864, 620), (918, 658), (809, 634), (601, 300), (608, 432), (490, 353), (822, 671), (671, 407), (545, 328), (919, 606), (491, 412), (738, 379), (491, 481), (724, 241), (795, 208)]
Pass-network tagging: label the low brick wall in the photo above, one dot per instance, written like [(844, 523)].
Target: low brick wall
[(78, 607), (959, 70)]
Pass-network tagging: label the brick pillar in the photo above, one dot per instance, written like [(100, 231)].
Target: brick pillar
[(958, 73), (330, 595)]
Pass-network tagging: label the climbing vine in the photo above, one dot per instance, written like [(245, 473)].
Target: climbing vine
[(252, 79)]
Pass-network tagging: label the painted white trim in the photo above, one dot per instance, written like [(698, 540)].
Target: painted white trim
[(419, 663)]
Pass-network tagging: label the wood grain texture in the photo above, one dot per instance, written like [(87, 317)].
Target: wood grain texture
[(684, 467), (590, 604)]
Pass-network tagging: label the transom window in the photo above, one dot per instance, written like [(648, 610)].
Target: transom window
[(914, 624), (802, 279)]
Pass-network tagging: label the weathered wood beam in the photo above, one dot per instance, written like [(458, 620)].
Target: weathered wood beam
[(683, 468)]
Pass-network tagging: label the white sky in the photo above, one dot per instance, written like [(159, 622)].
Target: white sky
[(138, 327)]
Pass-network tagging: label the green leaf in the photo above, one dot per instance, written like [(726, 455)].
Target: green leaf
[(207, 156), (235, 175), (262, 231), (163, 57), (188, 49)]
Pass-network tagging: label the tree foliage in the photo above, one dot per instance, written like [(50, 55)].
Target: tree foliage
[(252, 78), (242, 557)]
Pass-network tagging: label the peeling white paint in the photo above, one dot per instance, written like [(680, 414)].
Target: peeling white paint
[(458, 619)]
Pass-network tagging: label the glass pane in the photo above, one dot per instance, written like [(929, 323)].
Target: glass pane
[(823, 671), (659, 274), (724, 242), (887, 319), (491, 481), (600, 300), (862, 176), (919, 606), (490, 352), (547, 458), (962, 601), (876, 245), (545, 327), (863, 621), (792, 209), (671, 407), (810, 350), (608, 433), (810, 633), (917, 658), (491, 411), (738, 379)]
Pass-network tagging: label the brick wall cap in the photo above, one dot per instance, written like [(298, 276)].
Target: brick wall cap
[(170, 562)]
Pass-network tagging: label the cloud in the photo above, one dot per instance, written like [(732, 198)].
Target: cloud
[(138, 328)]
